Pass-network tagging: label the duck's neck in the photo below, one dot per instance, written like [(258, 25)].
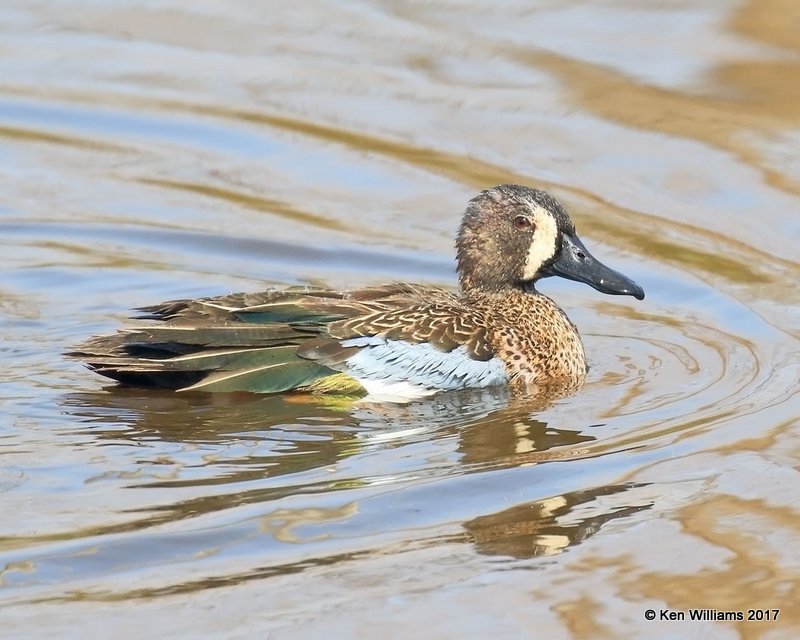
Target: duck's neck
[(471, 289)]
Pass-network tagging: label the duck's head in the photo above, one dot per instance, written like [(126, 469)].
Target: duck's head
[(512, 236)]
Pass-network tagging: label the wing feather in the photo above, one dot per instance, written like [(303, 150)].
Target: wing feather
[(276, 340)]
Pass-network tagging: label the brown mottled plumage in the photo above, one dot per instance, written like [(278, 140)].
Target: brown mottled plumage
[(497, 329)]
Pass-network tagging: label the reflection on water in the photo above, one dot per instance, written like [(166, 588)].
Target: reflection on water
[(268, 451), (168, 150), (549, 526), (274, 436)]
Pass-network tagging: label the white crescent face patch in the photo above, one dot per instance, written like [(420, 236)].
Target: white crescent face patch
[(545, 237)]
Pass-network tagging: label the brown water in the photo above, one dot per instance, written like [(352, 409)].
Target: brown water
[(169, 149)]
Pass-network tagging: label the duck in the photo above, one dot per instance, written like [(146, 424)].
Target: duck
[(398, 341)]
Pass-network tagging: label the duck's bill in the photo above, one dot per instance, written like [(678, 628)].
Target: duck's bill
[(576, 263)]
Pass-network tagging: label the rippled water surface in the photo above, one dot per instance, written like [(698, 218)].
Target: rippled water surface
[(167, 149)]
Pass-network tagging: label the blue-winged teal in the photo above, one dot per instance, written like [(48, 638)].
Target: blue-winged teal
[(393, 341)]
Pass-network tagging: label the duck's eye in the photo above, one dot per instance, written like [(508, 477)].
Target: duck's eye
[(521, 223)]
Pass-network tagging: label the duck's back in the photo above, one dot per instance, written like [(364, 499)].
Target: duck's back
[(396, 340)]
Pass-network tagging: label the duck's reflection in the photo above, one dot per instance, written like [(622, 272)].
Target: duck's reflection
[(296, 433), (281, 446), (551, 525)]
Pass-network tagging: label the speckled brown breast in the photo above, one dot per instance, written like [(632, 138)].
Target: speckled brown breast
[(536, 340)]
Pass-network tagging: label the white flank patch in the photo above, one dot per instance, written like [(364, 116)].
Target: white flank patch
[(386, 391), (404, 370), (543, 246)]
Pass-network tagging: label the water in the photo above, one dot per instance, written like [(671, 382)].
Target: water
[(159, 150)]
